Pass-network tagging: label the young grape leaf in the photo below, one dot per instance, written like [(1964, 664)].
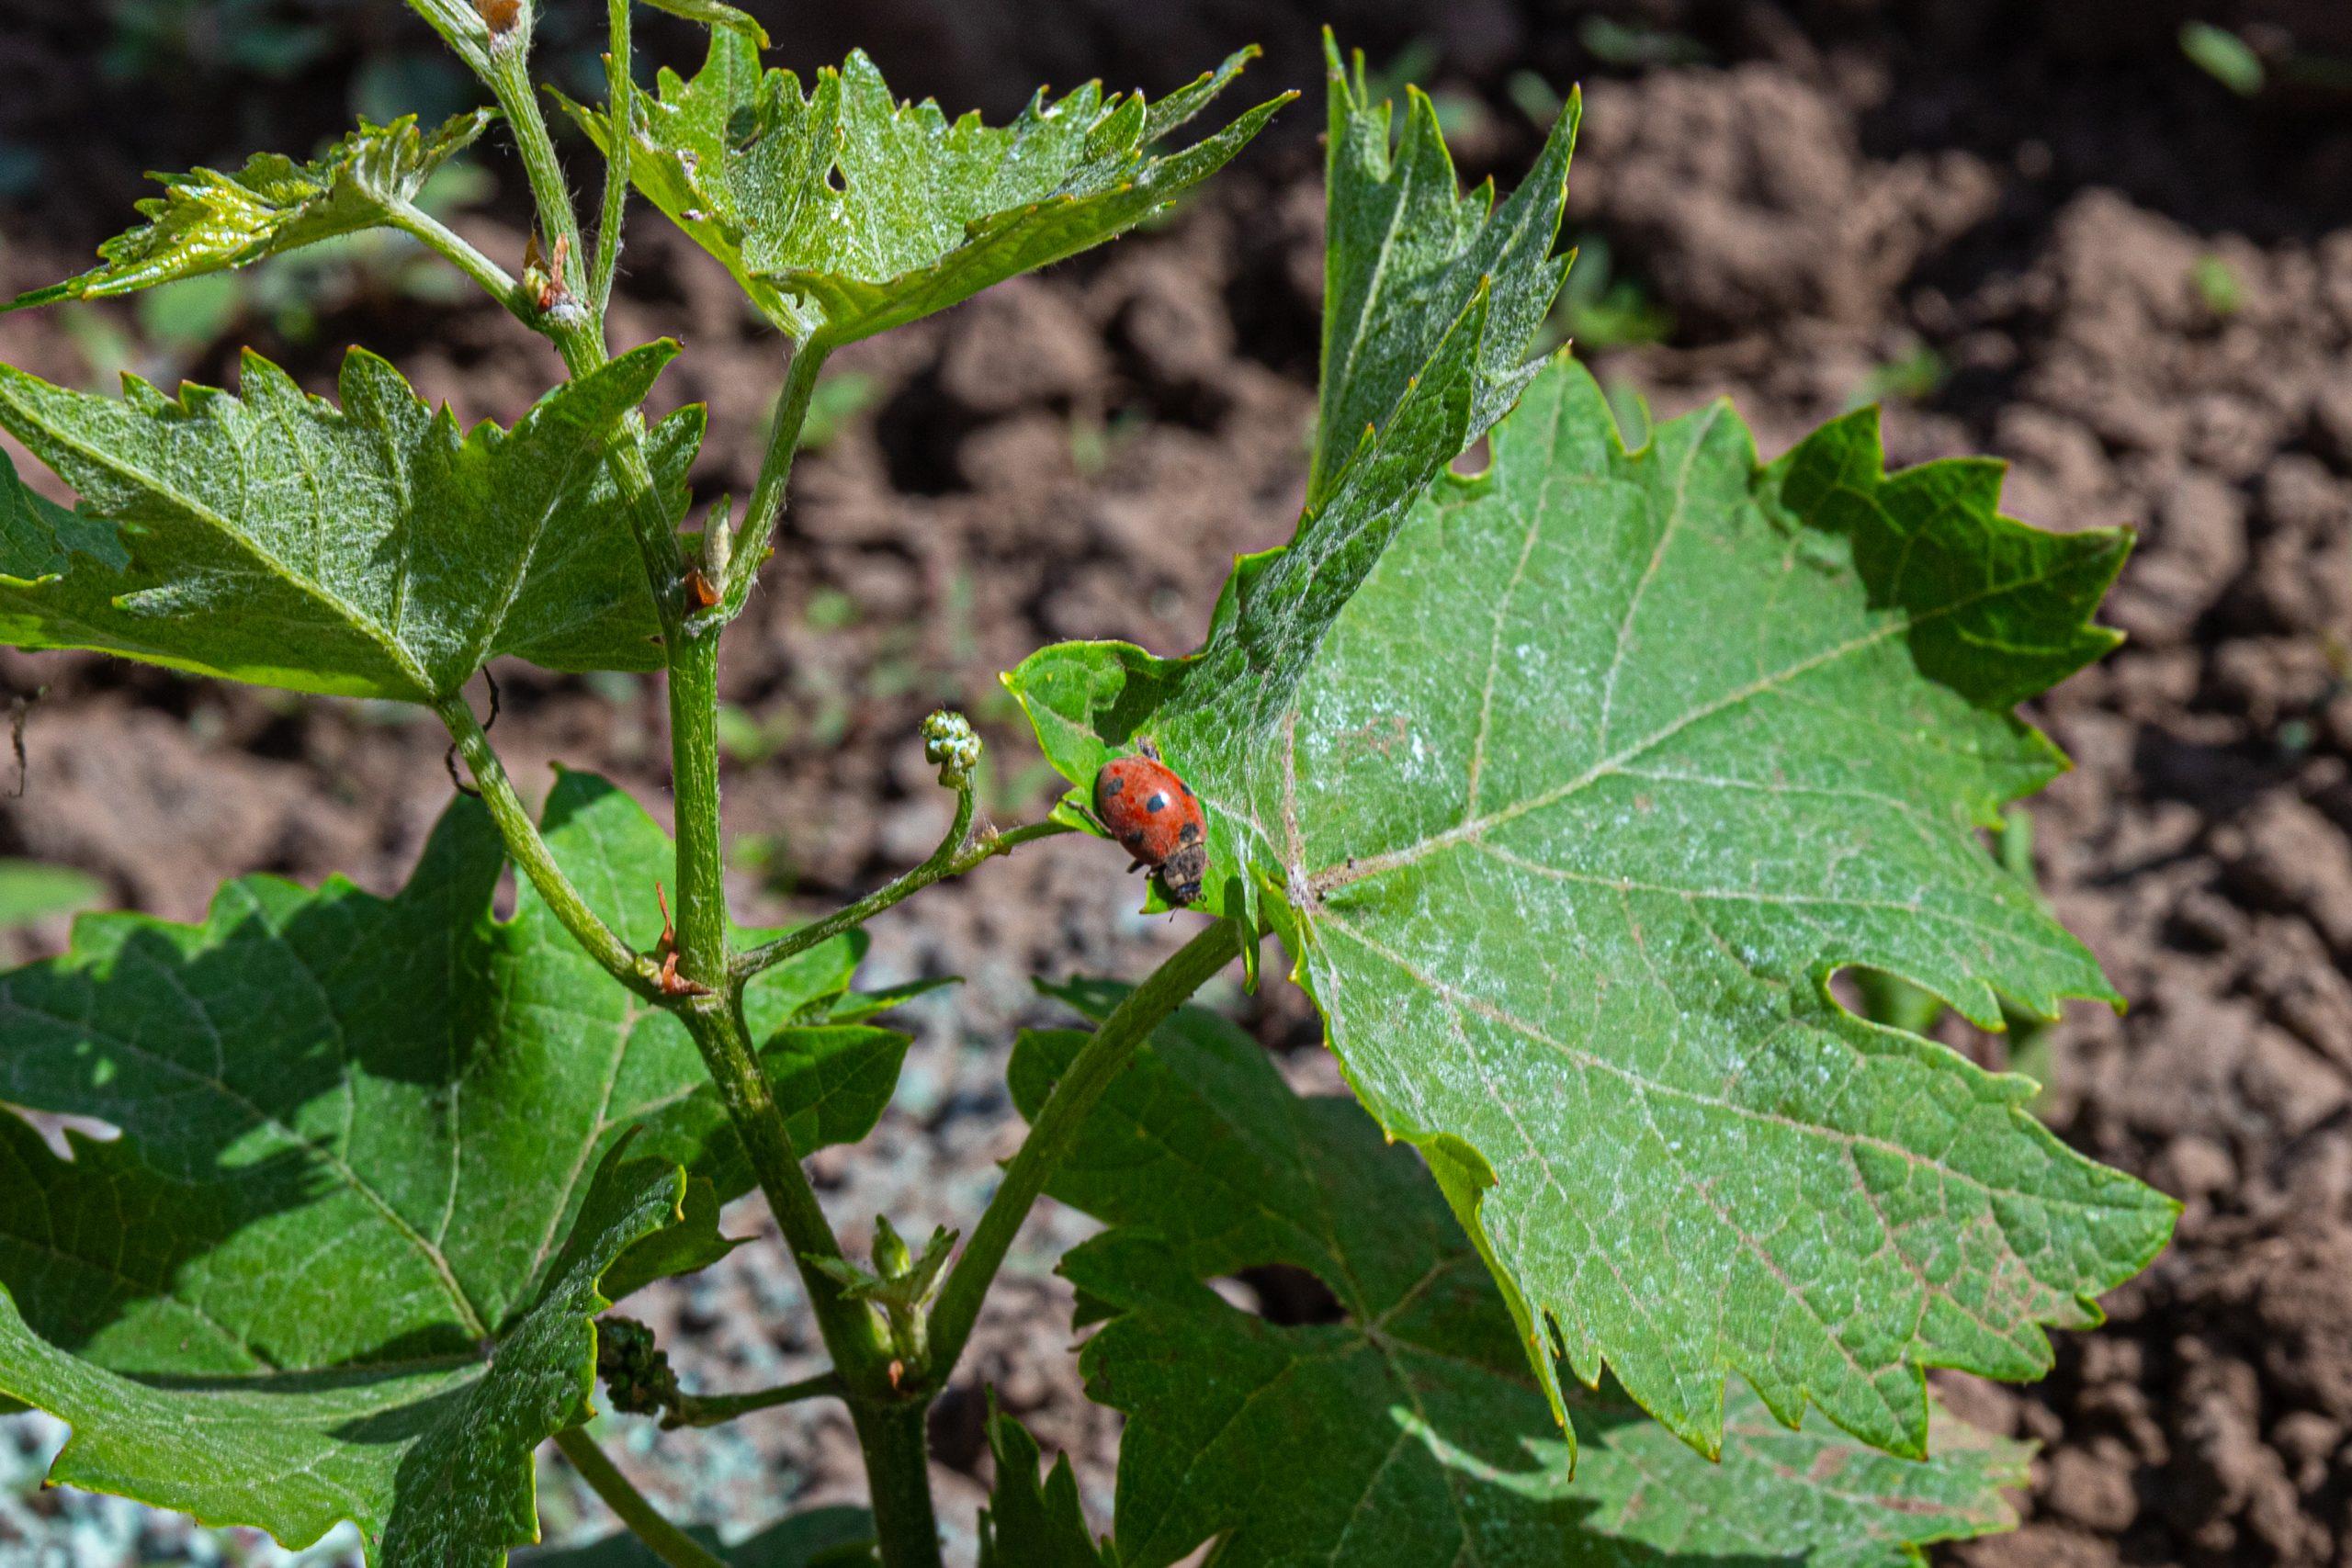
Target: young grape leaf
[(1610, 764), (846, 213), (355, 1131), (1432, 1443), (711, 13), (371, 550), (821, 1538), (206, 219), (1029, 1523), (1405, 254)]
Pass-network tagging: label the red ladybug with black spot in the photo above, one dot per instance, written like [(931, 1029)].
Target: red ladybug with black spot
[(1142, 803)]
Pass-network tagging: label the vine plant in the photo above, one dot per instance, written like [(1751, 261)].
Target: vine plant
[(1565, 785)]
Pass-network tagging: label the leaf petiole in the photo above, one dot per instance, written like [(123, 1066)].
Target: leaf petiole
[(749, 548), (712, 1410), (530, 854), (953, 857), (646, 1522), (608, 225), (1055, 1129), (454, 248)]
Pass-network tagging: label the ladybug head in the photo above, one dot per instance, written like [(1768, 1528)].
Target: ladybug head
[(1181, 874)]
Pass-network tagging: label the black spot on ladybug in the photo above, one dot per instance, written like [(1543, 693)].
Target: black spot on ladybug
[(1156, 804)]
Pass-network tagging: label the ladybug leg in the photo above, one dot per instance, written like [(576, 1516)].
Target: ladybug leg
[(1137, 864)]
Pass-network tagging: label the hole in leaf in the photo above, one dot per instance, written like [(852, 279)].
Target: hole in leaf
[(1291, 1297)]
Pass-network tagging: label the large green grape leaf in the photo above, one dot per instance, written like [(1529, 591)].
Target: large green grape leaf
[(428, 1449), (355, 1136), (845, 211), (1410, 1433), (1567, 821), (206, 219), (370, 550), (1405, 252)]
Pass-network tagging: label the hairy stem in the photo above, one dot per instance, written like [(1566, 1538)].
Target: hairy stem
[(953, 857), (750, 548), (487, 274), (579, 333), (509, 79), (530, 854), (712, 1409), (646, 1522), (1055, 1129), (617, 86), (898, 1475)]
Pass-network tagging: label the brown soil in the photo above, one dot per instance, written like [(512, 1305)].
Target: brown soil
[(2047, 199)]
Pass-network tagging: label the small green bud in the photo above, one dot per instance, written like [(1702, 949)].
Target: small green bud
[(891, 1258), (951, 746)]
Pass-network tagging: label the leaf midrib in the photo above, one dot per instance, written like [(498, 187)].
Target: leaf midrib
[(360, 622)]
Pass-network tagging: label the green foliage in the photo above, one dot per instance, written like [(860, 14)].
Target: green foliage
[(1567, 866), (1410, 1432), (426, 1439), (370, 550), (2218, 286), (2224, 56), (844, 211), (1411, 262), (711, 13), (206, 219), (355, 1135), (1029, 1523), (32, 890), (821, 1538)]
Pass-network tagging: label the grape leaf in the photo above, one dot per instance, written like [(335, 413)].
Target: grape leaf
[(1432, 1443), (711, 13), (429, 1449), (1029, 1523), (846, 212), (820, 1537), (354, 1133), (1405, 254), (371, 550), (206, 219), (1432, 301), (1613, 760)]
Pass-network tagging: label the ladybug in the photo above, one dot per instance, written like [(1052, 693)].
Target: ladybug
[(1153, 813)]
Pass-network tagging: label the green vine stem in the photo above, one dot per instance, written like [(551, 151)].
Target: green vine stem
[(1055, 1129), (953, 857), (509, 80), (617, 86), (577, 326), (662, 1538), (713, 1409), (750, 550), (897, 1441), (530, 854)]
